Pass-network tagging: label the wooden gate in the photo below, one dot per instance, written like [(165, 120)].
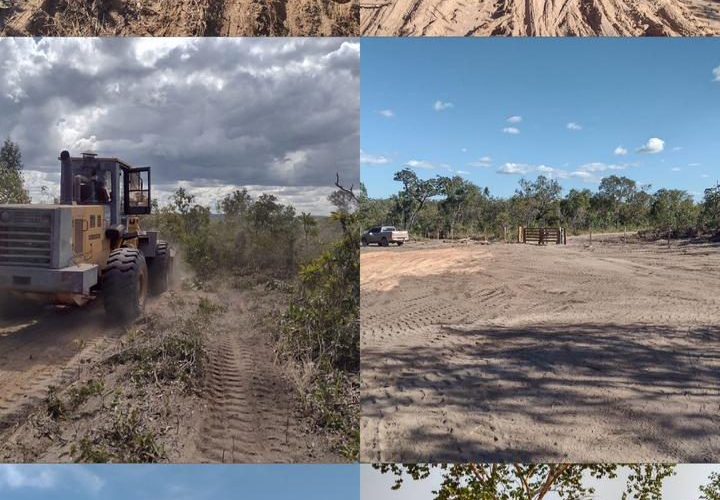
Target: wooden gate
[(542, 235)]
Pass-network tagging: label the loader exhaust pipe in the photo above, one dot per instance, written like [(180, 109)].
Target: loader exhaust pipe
[(66, 179)]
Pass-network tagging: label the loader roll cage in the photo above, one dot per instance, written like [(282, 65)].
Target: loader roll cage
[(91, 180)]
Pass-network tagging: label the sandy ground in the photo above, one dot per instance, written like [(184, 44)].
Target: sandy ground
[(525, 353), (247, 410), (539, 17), (179, 17)]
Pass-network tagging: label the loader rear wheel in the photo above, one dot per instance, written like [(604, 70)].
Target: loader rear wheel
[(159, 269), (125, 284)]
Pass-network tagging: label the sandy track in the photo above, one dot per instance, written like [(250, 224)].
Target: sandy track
[(247, 412), (514, 352), (539, 17), (251, 410), (180, 17), (46, 350)]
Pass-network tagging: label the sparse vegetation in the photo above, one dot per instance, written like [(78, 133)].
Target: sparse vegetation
[(321, 332), (450, 207), (11, 179)]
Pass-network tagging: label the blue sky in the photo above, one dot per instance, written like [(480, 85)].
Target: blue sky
[(179, 482), (496, 109)]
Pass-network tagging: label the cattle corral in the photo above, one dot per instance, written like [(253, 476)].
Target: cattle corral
[(554, 353)]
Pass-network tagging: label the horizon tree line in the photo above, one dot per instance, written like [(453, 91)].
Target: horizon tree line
[(452, 206)]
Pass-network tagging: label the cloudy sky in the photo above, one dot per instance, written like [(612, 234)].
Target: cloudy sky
[(273, 115), (496, 110), (683, 485), (179, 482)]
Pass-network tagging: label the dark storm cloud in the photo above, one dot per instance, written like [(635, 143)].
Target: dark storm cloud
[(221, 112)]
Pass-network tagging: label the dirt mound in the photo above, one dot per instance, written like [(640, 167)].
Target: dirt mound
[(179, 17), (540, 17)]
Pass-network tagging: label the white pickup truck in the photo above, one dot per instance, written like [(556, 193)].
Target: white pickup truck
[(384, 235)]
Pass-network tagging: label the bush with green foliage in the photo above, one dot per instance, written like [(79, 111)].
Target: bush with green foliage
[(321, 329)]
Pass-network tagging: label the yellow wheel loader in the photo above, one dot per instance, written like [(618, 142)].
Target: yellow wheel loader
[(90, 244)]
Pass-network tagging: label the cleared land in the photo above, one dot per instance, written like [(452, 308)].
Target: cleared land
[(525, 353), (539, 17), (179, 17), (194, 381)]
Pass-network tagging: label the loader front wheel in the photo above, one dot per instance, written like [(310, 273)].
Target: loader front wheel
[(125, 284), (159, 269)]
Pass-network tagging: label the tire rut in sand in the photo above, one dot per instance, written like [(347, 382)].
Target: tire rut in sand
[(251, 412)]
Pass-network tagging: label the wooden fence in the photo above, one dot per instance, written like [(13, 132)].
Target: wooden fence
[(542, 235)]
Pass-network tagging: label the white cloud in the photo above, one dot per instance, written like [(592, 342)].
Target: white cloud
[(620, 151), (654, 145), (387, 113), (511, 130), (676, 169), (514, 169), (544, 169), (483, 162), (442, 106), (586, 176), (600, 167), (515, 119), (464, 150), (462, 172), (15, 477), (574, 126), (370, 159), (677, 148), (420, 164), (716, 73)]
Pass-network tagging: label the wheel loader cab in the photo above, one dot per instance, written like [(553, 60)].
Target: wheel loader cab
[(91, 180)]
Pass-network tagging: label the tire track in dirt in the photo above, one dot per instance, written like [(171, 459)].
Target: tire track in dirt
[(544, 354), (251, 415), (539, 18), (36, 353)]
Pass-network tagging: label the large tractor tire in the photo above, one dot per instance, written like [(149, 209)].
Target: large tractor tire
[(125, 284), (159, 269)]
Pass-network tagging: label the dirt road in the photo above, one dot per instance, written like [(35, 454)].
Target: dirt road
[(526, 353), (539, 17), (245, 409), (46, 349), (179, 17)]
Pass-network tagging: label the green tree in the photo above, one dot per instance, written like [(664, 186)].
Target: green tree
[(531, 482), (672, 210), (711, 209), (236, 204), (415, 194), (539, 200), (711, 491), (309, 225), (12, 189), (457, 194)]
